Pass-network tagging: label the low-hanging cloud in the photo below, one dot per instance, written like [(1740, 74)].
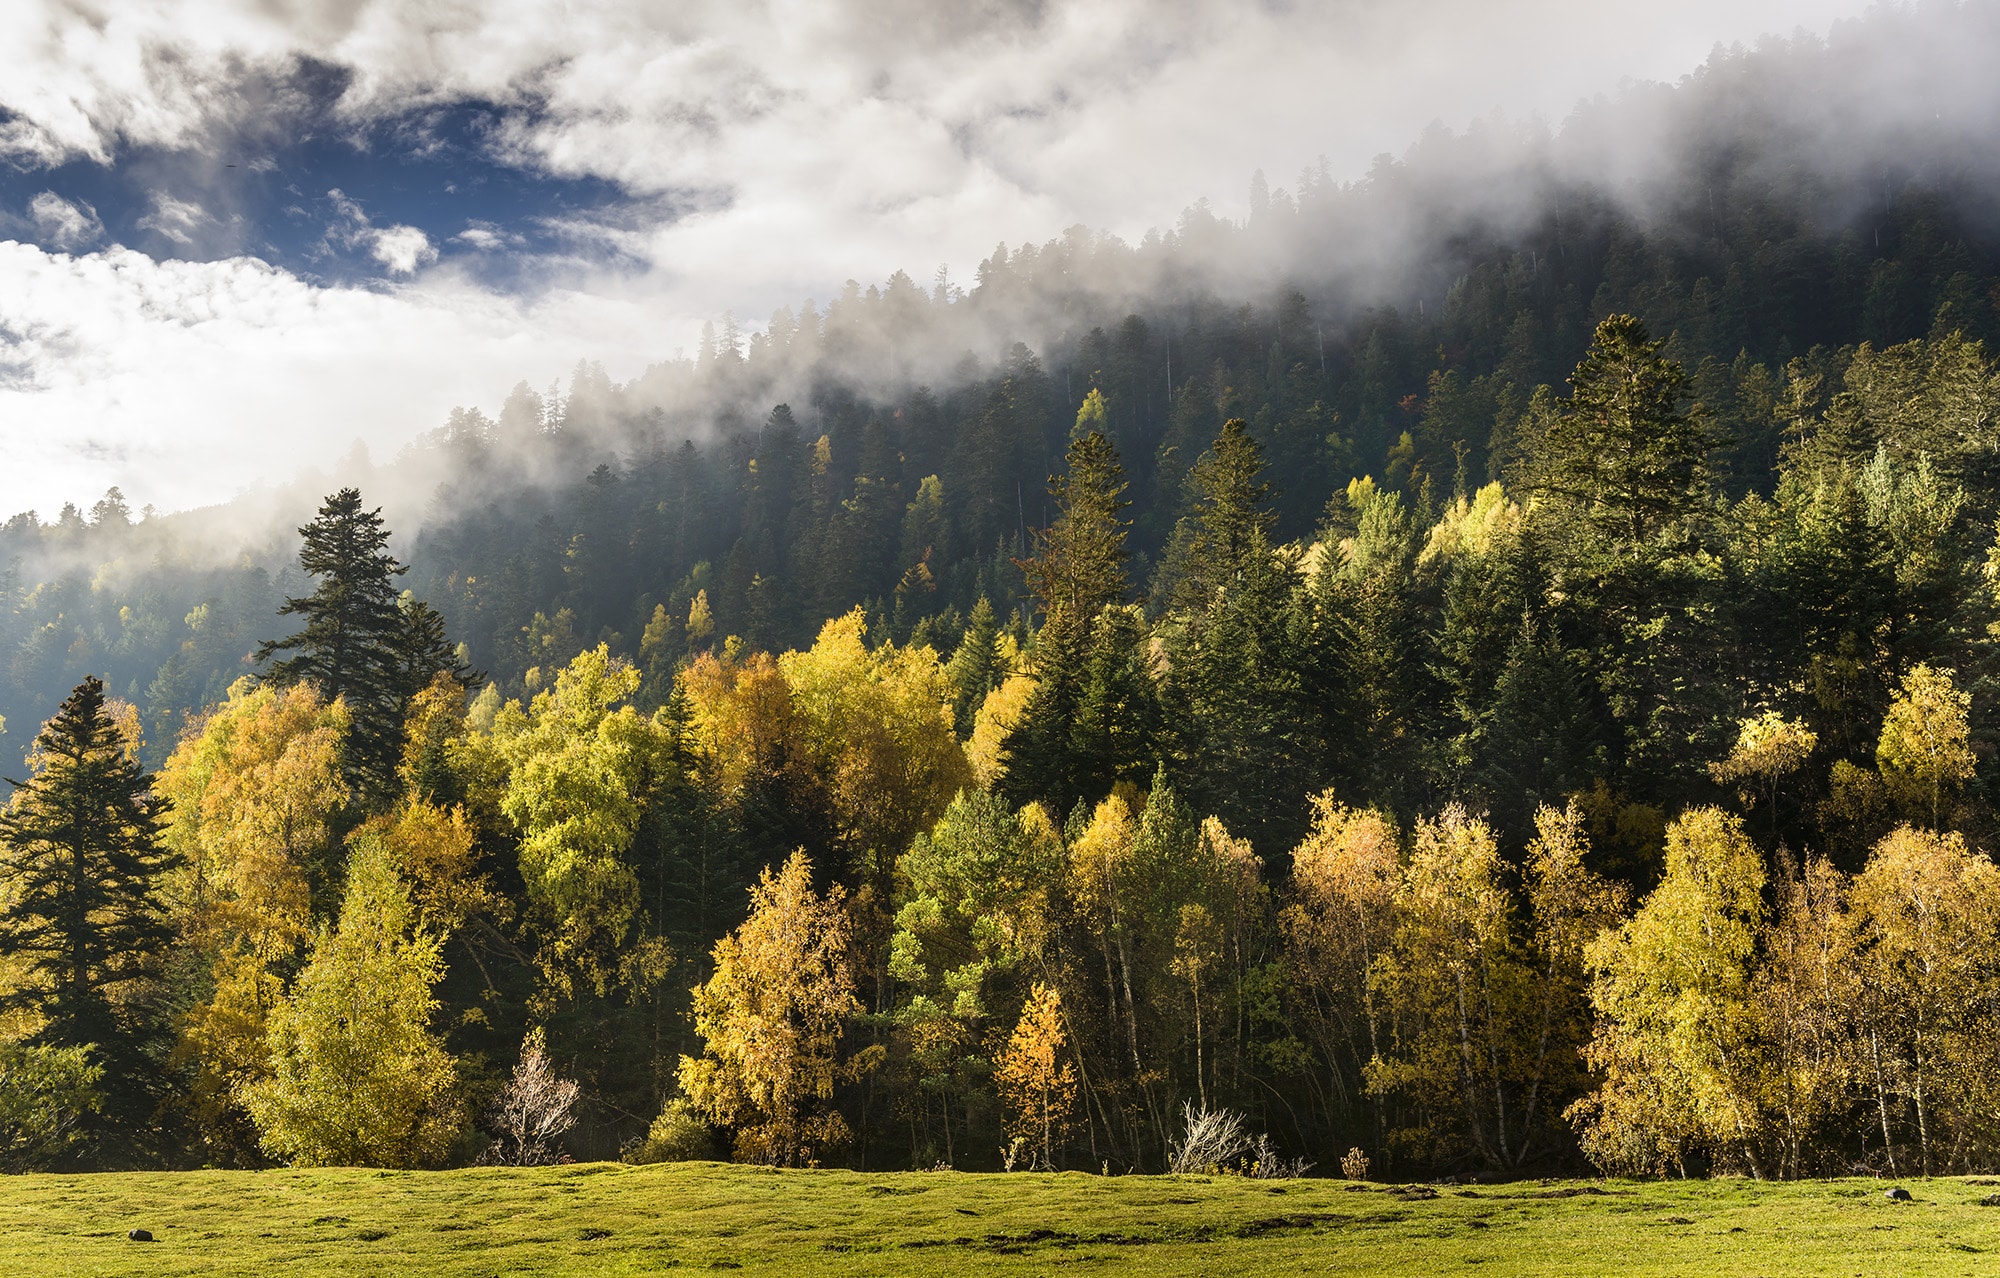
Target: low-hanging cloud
[(764, 154)]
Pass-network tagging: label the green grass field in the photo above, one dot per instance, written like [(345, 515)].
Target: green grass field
[(611, 1219)]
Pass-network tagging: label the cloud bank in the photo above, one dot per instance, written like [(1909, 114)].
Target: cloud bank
[(756, 154)]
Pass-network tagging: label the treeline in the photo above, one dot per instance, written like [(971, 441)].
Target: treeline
[(1395, 326), (1593, 816)]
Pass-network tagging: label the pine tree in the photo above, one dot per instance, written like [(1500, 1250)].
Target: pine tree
[(1625, 450), (359, 642), (82, 916), (1078, 572), (976, 667)]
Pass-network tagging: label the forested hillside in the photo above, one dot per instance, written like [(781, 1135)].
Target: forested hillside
[(1517, 700)]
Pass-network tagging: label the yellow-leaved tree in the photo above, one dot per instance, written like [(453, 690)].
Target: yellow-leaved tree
[(254, 794), (1037, 1084), (1807, 991), (1925, 750), (1339, 920), (1768, 748), (1676, 1031), (877, 723), (357, 1077), (1103, 869), (582, 767), (1928, 909), (1458, 988), (771, 1019), (1571, 907)]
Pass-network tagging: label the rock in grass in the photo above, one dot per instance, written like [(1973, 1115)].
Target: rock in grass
[(1897, 1195), (139, 1235)]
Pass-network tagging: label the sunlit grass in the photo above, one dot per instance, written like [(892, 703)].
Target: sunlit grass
[(610, 1219)]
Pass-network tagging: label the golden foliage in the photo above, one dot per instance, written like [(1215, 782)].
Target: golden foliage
[(1339, 920), (1672, 989), (1037, 1084), (1768, 746), (1925, 749), (1928, 909), (877, 723), (771, 1019), (998, 713), (255, 793), (357, 1078)]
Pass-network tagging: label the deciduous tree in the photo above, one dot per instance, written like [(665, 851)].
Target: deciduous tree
[(772, 1018)]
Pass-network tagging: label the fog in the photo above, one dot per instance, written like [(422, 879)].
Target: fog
[(757, 156)]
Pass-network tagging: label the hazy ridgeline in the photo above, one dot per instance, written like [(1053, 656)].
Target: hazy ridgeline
[(1375, 779), (1779, 201)]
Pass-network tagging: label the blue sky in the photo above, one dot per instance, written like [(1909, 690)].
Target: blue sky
[(316, 196), (237, 237)]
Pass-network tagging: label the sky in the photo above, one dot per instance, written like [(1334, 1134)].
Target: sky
[(239, 236)]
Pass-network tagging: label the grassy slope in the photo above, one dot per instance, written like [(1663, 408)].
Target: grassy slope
[(608, 1219)]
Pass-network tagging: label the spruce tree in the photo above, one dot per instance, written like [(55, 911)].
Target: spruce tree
[(360, 642), (82, 917), (1234, 664), (975, 668), (1077, 572), (1627, 450)]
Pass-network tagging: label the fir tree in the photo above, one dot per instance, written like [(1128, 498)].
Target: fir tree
[(1078, 572), (428, 653), (360, 642), (82, 918), (1626, 450), (1234, 661)]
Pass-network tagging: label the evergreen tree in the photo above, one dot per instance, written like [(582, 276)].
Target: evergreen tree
[(1234, 666), (976, 667), (1626, 451), (1078, 572), (428, 653), (82, 917), (359, 643)]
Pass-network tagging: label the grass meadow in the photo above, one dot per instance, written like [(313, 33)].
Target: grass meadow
[(611, 1219)]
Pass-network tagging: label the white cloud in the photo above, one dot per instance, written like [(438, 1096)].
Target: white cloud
[(484, 236), (65, 224), (184, 382), (178, 220), (797, 145), (402, 249)]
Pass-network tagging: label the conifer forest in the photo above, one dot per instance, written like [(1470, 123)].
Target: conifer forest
[(1539, 718)]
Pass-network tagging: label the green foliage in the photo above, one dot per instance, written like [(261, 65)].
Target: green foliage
[(358, 1077), (82, 920), (1437, 664), (1625, 451), (581, 768), (48, 1096), (356, 644)]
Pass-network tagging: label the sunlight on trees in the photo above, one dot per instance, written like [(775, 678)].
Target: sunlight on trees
[(771, 1020), (357, 1075)]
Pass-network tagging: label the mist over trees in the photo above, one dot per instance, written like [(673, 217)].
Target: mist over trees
[(1544, 722)]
